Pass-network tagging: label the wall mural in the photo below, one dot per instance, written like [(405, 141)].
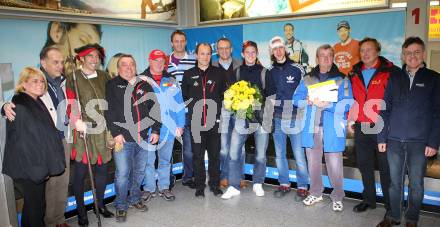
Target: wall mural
[(153, 10)]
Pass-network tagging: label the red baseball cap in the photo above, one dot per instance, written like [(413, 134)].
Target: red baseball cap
[(155, 54)]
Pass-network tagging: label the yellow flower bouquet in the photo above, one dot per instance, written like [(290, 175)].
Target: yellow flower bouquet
[(241, 98)]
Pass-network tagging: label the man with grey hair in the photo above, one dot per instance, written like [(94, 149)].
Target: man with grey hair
[(324, 121)]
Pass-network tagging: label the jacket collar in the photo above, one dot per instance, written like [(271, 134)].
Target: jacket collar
[(334, 72), (147, 73), (54, 81), (382, 64)]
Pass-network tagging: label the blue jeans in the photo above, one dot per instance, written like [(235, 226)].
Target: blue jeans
[(164, 151), (187, 154), (130, 171), (238, 139), (227, 125), (404, 156), (284, 128)]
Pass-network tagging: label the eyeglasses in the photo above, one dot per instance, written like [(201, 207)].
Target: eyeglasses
[(416, 53)]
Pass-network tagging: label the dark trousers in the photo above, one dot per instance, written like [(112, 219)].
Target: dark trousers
[(33, 207), (406, 157), (367, 153), (210, 141), (100, 175)]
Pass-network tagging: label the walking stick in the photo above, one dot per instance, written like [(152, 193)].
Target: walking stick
[(84, 134)]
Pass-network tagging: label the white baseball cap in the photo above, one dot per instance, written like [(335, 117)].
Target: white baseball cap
[(275, 42)]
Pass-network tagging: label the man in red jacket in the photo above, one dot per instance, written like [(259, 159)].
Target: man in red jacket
[(369, 78)]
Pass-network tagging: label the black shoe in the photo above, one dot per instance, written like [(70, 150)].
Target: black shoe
[(83, 221), (104, 212), (167, 195), (216, 191), (121, 215), (361, 207), (190, 184), (200, 193)]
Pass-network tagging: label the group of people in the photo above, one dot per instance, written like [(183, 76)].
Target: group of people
[(92, 118)]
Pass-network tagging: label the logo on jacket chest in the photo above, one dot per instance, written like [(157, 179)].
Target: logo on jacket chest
[(375, 82), (290, 79)]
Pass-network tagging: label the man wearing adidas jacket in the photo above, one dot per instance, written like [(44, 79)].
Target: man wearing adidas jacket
[(172, 110), (283, 78)]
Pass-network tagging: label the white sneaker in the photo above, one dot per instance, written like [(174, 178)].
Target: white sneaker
[(230, 192), (310, 200), (258, 189), (338, 206)]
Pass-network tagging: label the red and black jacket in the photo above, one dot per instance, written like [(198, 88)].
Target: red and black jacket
[(139, 103), (373, 94), (204, 86)]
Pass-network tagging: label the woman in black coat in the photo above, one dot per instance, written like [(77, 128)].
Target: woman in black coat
[(33, 149)]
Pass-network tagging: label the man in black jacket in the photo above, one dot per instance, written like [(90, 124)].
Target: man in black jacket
[(132, 117), (203, 88), (411, 131)]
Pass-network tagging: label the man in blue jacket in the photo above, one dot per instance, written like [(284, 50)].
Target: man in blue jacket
[(411, 131), (169, 96), (284, 77)]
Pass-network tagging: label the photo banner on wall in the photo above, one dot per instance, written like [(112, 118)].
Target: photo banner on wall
[(308, 34), (151, 10), (20, 49), (212, 34), (218, 10)]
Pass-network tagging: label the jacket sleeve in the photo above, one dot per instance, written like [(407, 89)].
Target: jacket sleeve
[(270, 84), (385, 114), (434, 135), (185, 85), (345, 96), (300, 95), (179, 109), (2, 104), (73, 110), (111, 113)]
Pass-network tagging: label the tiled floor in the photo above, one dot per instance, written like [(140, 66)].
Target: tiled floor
[(248, 210)]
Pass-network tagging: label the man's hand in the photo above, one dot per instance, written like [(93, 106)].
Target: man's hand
[(80, 126), (429, 151), (119, 139), (309, 101), (154, 138), (9, 111), (319, 103), (350, 127), (382, 147), (179, 132)]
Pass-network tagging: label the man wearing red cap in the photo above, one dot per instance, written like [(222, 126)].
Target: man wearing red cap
[(172, 108), (90, 84)]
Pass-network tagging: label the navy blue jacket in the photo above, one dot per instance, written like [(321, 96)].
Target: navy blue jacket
[(412, 115), (252, 74), (282, 81)]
